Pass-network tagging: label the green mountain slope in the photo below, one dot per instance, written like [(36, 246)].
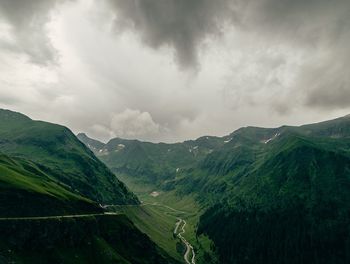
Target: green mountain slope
[(58, 153), (220, 170), (103, 239), (148, 162), (294, 207), (92, 144), (273, 195), (25, 190), (50, 184)]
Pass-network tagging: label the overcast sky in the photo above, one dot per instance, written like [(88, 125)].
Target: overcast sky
[(170, 70)]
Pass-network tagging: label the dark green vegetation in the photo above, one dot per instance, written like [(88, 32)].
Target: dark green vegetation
[(25, 190), (156, 223), (156, 164), (279, 195), (158, 220), (50, 187), (94, 239), (294, 203), (53, 150)]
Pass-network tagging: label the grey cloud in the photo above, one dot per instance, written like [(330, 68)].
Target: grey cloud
[(184, 25), (180, 24), (8, 100), (330, 97), (328, 87), (320, 28), (104, 74), (315, 25), (311, 22), (28, 19)]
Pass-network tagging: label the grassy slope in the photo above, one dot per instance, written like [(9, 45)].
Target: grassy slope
[(157, 220), (157, 225), (25, 190), (29, 188), (277, 175), (298, 195), (148, 162), (209, 165), (62, 156)]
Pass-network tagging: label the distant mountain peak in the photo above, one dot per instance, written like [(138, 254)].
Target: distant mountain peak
[(82, 135), (92, 144)]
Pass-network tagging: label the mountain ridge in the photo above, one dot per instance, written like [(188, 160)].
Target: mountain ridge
[(58, 152), (269, 195)]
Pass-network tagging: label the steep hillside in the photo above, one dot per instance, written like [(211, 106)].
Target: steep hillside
[(50, 187), (92, 144), (211, 166), (58, 153), (25, 190), (272, 195), (149, 162), (293, 207), (168, 166), (220, 170), (103, 239)]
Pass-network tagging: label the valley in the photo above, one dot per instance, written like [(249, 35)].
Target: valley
[(257, 195), (158, 217), (180, 224), (174, 132), (253, 183)]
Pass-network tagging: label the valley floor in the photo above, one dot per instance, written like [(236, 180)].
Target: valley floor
[(170, 221)]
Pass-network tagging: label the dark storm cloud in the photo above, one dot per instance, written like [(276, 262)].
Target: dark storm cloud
[(328, 86), (314, 25), (180, 24), (184, 24), (279, 61), (322, 28), (28, 19)]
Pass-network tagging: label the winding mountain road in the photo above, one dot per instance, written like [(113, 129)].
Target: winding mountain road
[(55, 216), (189, 247)]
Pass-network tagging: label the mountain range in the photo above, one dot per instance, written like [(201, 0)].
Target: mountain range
[(257, 195), (271, 195)]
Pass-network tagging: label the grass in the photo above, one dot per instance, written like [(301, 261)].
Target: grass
[(156, 224), (25, 190), (58, 152), (156, 217)]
